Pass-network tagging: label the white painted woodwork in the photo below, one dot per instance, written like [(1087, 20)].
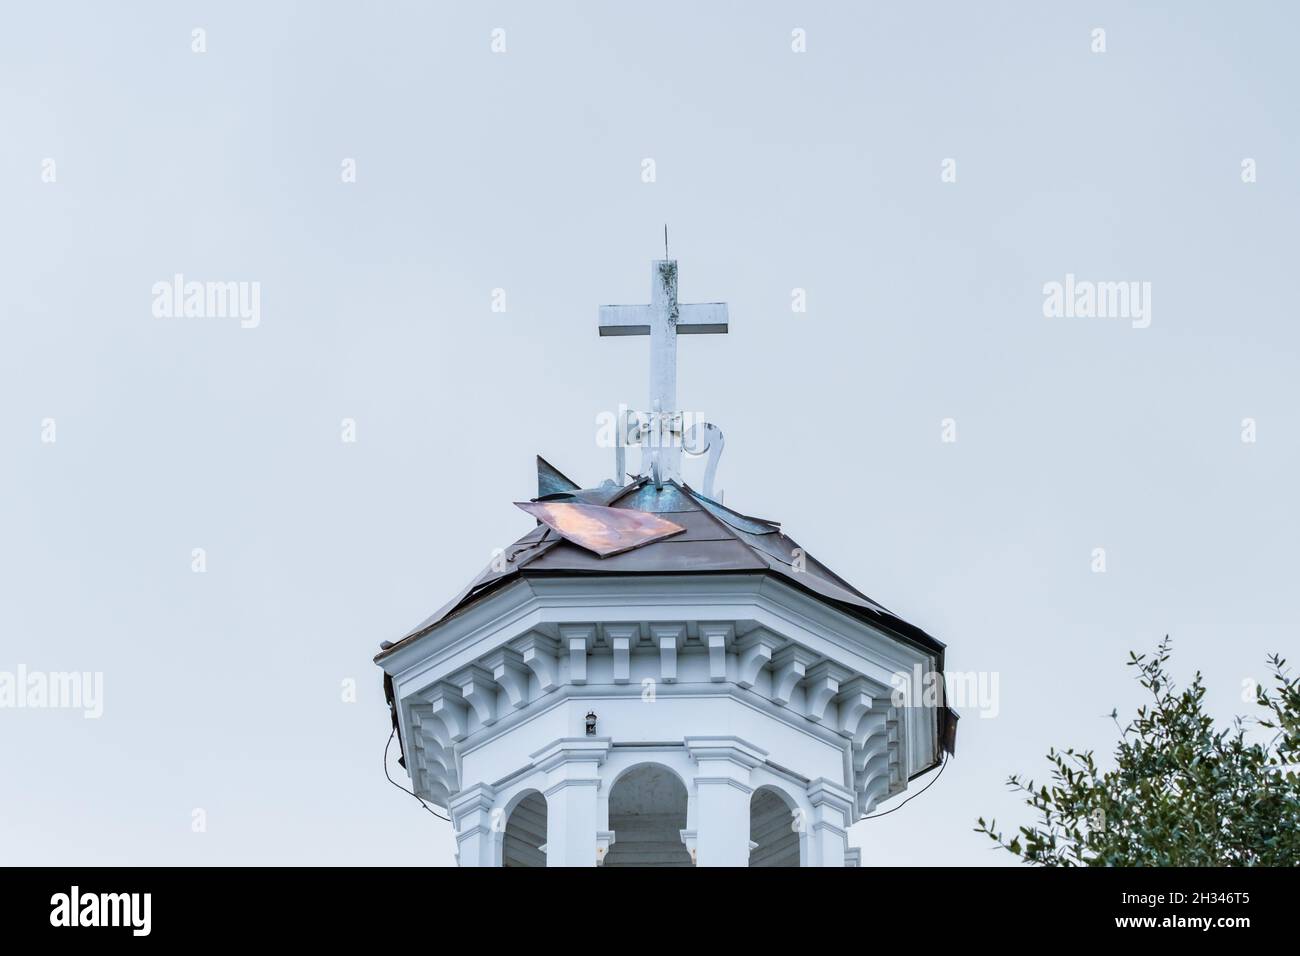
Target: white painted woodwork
[(821, 685), (668, 638), (578, 639), (722, 795), (621, 637), (741, 688), (508, 670), (471, 814), (789, 667), (572, 782), (756, 652), (539, 654), (717, 637), (479, 689)]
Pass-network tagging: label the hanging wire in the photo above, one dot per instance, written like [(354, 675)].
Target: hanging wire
[(403, 789), (885, 813)]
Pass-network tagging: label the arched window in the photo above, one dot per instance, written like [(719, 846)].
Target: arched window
[(525, 832), (776, 826), (647, 812)]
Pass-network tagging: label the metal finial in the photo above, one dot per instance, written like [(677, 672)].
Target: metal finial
[(665, 240)]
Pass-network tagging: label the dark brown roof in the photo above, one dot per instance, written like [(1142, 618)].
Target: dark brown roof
[(716, 540)]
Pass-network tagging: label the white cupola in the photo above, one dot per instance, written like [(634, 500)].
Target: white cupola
[(648, 677)]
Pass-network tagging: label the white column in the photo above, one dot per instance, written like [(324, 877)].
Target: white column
[(471, 813), (722, 792), (828, 830), (573, 823)]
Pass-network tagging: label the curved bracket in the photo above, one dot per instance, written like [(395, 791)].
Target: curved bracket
[(705, 438)]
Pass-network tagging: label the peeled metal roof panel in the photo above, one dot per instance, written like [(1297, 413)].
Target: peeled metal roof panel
[(779, 550), (666, 500), (605, 531), (700, 526), (734, 518), (551, 480), (532, 545), (672, 556), (603, 495)]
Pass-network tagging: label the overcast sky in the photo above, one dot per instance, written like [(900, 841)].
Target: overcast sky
[(523, 171)]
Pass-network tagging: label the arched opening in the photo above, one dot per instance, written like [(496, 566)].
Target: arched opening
[(647, 812), (774, 825), (525, 832)]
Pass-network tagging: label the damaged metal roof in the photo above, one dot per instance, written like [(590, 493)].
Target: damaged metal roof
[(604, 531), (713, 539), (687, 533)]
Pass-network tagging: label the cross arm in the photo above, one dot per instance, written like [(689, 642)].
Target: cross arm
[(702, 318), (624, 320), (693, 319)]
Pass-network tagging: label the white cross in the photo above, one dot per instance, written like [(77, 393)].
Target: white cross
[(663, 320)]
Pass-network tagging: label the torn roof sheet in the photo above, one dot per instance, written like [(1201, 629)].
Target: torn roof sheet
[(550, 480), (605, 531)]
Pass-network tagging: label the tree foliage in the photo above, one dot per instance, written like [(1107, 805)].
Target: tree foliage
[(1182, 793)]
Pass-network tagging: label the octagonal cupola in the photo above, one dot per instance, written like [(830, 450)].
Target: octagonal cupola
[(649, 677)]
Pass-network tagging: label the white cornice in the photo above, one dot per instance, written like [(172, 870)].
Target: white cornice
[(833, 656), (528, 603)]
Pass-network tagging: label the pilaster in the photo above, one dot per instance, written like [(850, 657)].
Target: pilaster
[(722, 793), (573, 828), (828, 829), (471, 814)]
